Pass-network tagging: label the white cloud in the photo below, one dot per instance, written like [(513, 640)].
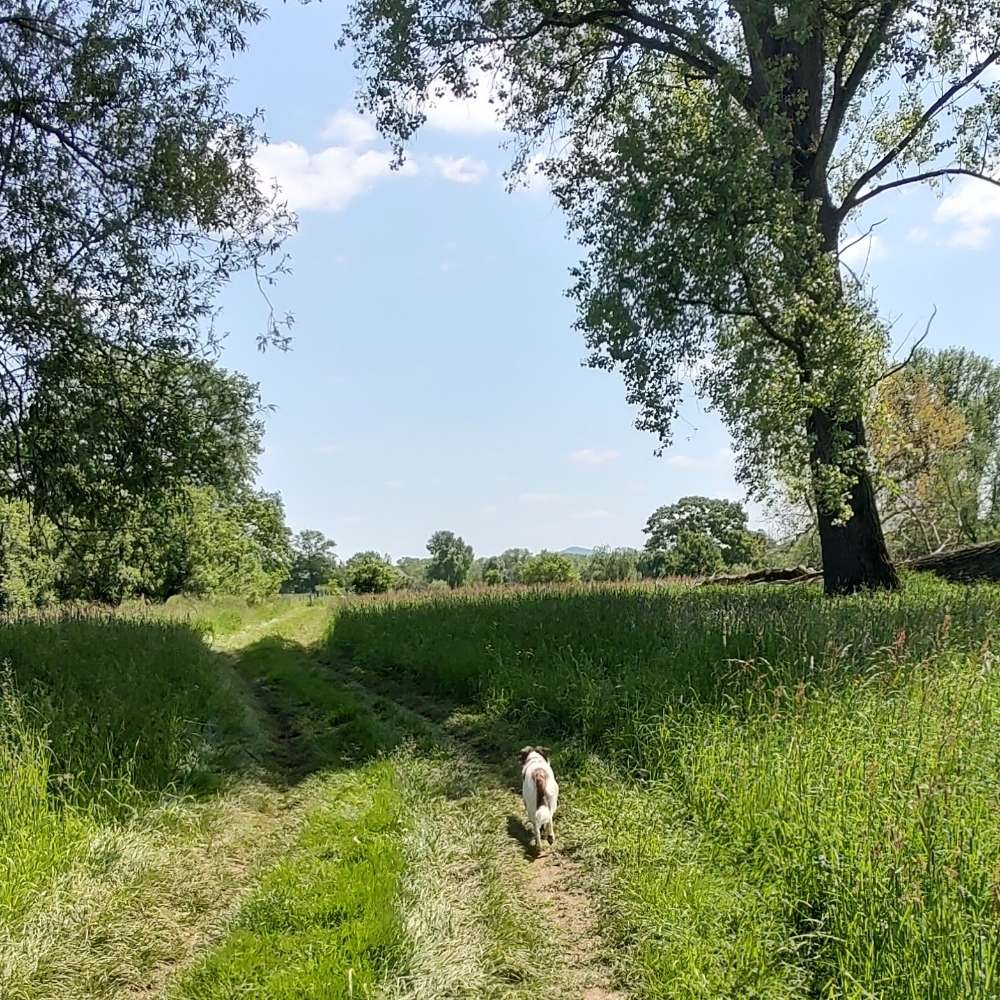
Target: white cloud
[(857, 252), (592, 515), (594, 456), (488, 510), (972, 209), (461, 169), (538, 499), (326, 181), (474, 115), (918, 234), (352, 129), (681, 461)]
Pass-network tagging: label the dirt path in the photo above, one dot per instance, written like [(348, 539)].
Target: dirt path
[(554, 886)]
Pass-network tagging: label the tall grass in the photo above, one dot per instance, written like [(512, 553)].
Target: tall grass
[(100, 717), (813, 807), (220, 617)]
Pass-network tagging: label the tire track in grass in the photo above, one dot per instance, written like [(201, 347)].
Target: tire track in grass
[(571, 960), (394, 887)]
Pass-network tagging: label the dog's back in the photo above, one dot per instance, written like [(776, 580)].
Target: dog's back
[(540, 792)]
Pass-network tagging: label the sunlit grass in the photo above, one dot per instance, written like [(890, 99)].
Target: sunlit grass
[(791, 796), (100, 718)]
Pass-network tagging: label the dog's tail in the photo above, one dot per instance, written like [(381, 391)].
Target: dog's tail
[(543, 811)]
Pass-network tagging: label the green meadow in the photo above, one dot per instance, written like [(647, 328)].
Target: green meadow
[(766, 793)]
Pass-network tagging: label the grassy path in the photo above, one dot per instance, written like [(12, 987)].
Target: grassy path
[(549, 890), (371, 847), (413, 877), (153, 892)]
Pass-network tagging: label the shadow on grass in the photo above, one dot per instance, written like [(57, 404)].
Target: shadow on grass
[(518, 830), (109, 714)]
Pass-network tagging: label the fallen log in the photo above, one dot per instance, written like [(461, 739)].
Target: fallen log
[(965, 565), (793, 574), (974, 562)]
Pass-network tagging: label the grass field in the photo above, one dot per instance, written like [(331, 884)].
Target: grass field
[(191, 820), (786, 796), (766, 794)]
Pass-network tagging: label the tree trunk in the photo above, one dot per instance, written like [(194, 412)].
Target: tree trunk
[(855, 556)]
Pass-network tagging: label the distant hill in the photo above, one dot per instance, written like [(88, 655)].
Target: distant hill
[(575, 550)]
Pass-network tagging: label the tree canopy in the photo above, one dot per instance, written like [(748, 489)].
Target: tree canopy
[(129, 199), (548, 567), (936, 439), (606, 565), (722, 521), (694, 554), (451, 558), (709, 158), (313, 562), (370, 573)]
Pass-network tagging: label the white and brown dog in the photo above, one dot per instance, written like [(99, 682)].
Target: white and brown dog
[(540, 792)]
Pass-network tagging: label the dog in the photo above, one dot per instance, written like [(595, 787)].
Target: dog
[(540, 793)]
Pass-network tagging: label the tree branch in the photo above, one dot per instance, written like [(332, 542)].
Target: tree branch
[(926, 176), (845, 90), (851, 200), (899, 366), (706, 60)]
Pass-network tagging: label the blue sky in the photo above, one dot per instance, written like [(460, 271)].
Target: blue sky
[(434, 379)]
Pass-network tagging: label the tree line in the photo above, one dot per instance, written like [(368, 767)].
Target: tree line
[(935, 433)]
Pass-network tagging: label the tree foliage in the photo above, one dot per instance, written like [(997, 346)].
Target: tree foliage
[(313, 562), (493, 572), (936, 438), (695, 554), (723, 521), (451, 558), (94, 535), (710, 156), (610, 565), (370, 573), (548, 567), (129, 199), (414, 571)]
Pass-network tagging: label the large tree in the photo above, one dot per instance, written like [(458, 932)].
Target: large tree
[(146, 467), (709, 157), (936, 438), (548, 567), (106, 429), (128, 199), (451, 558), (722, 521), (605, 565), (313, 562)]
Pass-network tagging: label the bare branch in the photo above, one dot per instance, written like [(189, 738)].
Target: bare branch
[(896, 368), (926, 176)]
